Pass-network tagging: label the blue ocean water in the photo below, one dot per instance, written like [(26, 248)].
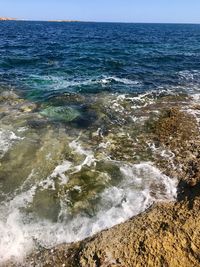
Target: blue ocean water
[(43, 59)]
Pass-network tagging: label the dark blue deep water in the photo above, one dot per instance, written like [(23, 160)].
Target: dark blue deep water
[(43, 59)]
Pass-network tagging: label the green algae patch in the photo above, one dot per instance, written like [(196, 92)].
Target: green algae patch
[(66, 114), (83, 190)]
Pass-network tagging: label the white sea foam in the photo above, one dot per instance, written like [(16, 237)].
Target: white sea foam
[(195, 112), (189, 75), (122, 80), (77, 148), (15, 240), (22, 129), (7, 138), (191, 81), (59, 172), (57, 83), (19, 233), (89, 155), (135, 102)]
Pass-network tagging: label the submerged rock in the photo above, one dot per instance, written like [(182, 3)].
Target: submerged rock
[(66, 114), (45, 205), (10, 98), (8, 95), (28, 107)]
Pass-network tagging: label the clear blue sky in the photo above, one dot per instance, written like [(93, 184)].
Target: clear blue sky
[(183, 11)]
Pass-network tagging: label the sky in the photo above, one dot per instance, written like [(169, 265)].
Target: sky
[(158, 11)]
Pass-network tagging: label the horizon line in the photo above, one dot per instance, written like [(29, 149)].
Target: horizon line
[(88, 21)]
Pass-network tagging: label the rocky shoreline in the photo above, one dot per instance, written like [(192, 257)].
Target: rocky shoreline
[(167, 234)]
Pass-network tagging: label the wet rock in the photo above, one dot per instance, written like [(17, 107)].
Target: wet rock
[(196, 106), (10, 98), (28, 107), (8, 95), (85, 120), (82, 192), (126, 148), (37, 124)]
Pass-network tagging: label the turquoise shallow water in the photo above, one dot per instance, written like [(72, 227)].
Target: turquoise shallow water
[(76, 100)]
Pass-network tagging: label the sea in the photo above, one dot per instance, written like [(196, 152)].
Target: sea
[(74, 100)]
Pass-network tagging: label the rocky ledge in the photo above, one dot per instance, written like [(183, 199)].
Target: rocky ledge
[(165, 235)]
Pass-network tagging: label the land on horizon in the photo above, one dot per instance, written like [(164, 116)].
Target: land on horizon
[(6, 18), (70, 20), (56, 20)]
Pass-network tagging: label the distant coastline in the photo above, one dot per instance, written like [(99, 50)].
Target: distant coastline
[(59, 20), (68, 21), (5, 19)]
